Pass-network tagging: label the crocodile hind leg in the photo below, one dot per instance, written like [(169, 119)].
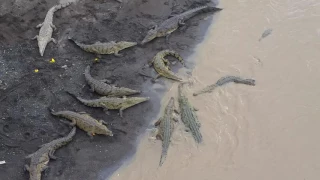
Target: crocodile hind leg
[(106, 110), (53, 26), (53, 40), (26, 167), (167, 38), (117, 54), (36, 37), (155, 78), (39, 25), (51, 155)]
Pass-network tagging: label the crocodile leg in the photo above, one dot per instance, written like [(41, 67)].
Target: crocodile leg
[(117, 54), (53, 26), (121, 112), (29, 156), (36, 37), (157, 123), (180, 22), (105, 81), (167, 38), (159, 136), (91, 88), (155, 78), (26, 167), (53, 40), (106, 110), (51, 155), (39, 25)]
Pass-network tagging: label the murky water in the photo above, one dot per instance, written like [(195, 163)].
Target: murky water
[(267, 131)]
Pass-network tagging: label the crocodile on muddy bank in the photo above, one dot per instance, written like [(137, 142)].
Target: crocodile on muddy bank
[(173, 23), (40, 159), (47, 27), (224, 80)]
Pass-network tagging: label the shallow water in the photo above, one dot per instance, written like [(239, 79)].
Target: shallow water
[(267, 131)]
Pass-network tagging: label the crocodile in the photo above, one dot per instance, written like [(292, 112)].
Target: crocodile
[(225, 80), (161, 65), (102, 88), (188, 115), (173, 22), (47, 27), (165, 128), (40, 158), (85, 122), (112, 102), (111, 47)]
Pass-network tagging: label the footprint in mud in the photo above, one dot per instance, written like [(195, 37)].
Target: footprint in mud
[(26, 135), (9, 128)]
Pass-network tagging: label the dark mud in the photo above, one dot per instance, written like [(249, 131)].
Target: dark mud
[(25, 122)]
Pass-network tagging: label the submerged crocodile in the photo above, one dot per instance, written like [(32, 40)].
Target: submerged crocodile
[(225, 80), (173, 23), (188, 115), (161, 65), (85, 122), (105, 89), (47, 27), (40, 158), (165, 128), (105, 48), (112, 102)]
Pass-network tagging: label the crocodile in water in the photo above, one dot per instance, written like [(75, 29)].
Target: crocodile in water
[(105, 89), (47, 27), (40, 159), (165, 128), (161, 65), (105, 48), (225, 80), (85, 122), (112, 102), (188, 115), (173, 23)]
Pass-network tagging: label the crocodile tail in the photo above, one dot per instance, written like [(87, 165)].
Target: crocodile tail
[(194, 11), (77, 43), (72, 133), (174, 54), (60, 6)]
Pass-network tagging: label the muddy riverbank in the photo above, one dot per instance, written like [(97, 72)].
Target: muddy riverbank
[(25, 122)]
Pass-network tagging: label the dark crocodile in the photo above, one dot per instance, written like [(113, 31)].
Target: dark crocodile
[(165, 128), (224, 80), (112, 102), (105, 48), (173, 23), (85, 122), (161, 65), (188, 116), (40, 159), (102, 88), (47, 27)]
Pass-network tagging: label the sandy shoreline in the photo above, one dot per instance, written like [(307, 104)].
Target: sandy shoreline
[(268, 131)]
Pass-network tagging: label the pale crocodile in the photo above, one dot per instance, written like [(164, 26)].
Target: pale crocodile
[(47, 27), (112, 102), (161, 65), (188, 115), (111, 47), (165, 128), (225, 80), (173, 23), (40, 158), (85, 122), (102, 88)]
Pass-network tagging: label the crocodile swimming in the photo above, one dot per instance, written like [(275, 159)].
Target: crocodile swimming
[(40, 158), (111, 47), (165, 128), (112, 102), (85, 122), (161, 65), (173, 23), (47, 27), (225, 80), (102, 88), (188, 115)]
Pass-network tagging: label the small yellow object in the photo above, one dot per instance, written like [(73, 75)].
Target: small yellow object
[(52, 61), (36, 70), (96, 59)]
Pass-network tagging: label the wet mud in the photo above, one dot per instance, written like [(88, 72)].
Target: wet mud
[(25, 96)]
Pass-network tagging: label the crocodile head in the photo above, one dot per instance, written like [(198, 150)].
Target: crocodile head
[(103, 130), (152, 33), (124, 44)]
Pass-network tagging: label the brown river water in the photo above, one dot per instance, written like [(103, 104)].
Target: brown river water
[(267, 131)]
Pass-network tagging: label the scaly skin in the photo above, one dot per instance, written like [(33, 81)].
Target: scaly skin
[(40, 159), (161, 65), (105, 48), (85, 122), (105, 89), (47, 27), (173, 23), (188, 116), (225, 80), (165, 128), (113, 102)]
